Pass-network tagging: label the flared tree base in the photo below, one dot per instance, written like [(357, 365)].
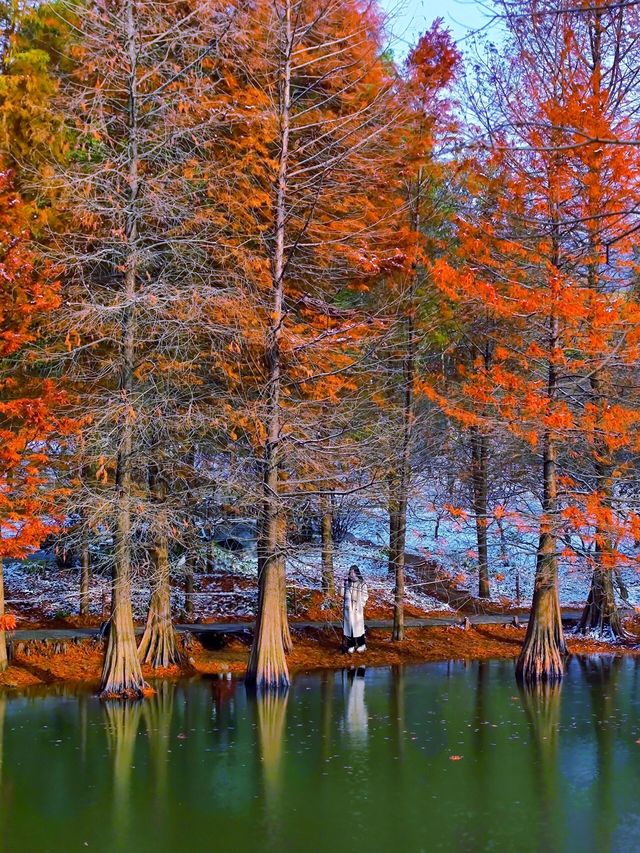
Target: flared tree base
[(267, 668), (122, 675), (158, 647), (601, 615), (540, 662)]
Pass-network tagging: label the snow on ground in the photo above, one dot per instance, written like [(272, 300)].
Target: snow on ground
[(303, 572), (40, 586), (451, 542), (231, 590)]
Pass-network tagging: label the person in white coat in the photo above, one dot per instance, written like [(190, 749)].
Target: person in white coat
[(355, 598)]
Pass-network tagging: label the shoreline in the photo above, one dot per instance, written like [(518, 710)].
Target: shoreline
[(38, 663)]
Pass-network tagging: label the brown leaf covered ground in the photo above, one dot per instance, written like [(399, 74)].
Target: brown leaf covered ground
[(40, 663)]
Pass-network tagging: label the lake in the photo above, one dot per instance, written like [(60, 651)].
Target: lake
[(447, 756)]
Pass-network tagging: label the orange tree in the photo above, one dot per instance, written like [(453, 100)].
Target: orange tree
[(28, 499), (31, 428), (300, 205), (529, 268)]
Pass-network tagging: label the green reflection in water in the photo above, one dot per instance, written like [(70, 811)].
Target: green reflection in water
[(344, 761)]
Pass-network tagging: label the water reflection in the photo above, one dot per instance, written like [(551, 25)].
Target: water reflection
[(157, 712), (271, 714), (397, 712), (601, 674), (3, 710), (356, 717), (542, 707), (326, 714), (365, 753), (122, 721)]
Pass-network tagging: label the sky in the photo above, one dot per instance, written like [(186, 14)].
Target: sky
[(410, 18)]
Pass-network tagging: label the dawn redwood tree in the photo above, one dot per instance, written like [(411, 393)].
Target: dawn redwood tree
[(525, 271), (311, 101), (136, 280), (525, 298), (588, 82), (431, 68), (599, 72)]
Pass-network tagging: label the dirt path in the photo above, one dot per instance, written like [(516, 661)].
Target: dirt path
[(569, 615)]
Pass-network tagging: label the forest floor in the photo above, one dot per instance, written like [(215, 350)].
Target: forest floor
[(39, 663)]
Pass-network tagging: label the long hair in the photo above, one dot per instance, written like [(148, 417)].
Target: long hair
[(357, 573)]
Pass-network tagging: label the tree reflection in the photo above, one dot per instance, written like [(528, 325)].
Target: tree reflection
[(541, 702), (270, 708), (3, 708), (122, 721), (601, 674), (397, 712), (157, 712), (480, 830), (326, 713)]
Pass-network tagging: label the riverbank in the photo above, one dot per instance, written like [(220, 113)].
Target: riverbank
[(80, 661)]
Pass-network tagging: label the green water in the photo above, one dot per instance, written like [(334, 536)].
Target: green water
[(342, 763)]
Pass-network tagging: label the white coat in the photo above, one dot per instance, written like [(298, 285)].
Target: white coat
[(355, 598)]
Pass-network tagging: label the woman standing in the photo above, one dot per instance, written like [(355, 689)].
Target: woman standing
[(355, 598)]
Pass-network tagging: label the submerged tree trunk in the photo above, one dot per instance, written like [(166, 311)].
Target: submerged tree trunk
[(122, 723), (267, 666), (328, 576), (542, 707), (541, 658), (4, 658), (121, 674), (85, 573), (479, 475)]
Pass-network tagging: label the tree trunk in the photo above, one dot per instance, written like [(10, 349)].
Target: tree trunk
[(541, 658), (398, 567), (287, 642), (267, 666), (479, 461), (601, 612), (158, 645), (393, 526), (4, 658), (121, 674), (402, 479), (85, 573), (189, 584), (328, 576), (267, 663), (211, 558)]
